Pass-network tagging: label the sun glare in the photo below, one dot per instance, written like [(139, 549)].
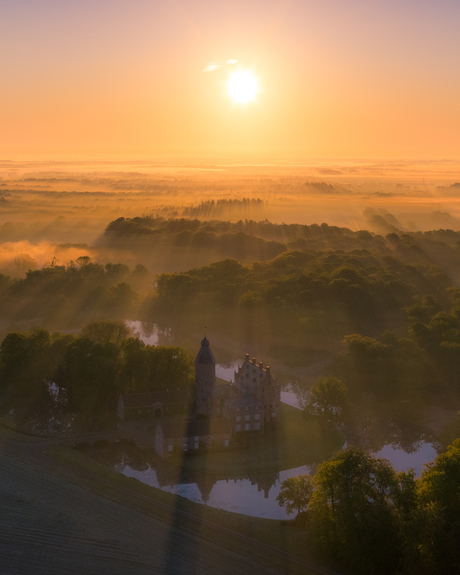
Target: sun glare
[(242, 86)]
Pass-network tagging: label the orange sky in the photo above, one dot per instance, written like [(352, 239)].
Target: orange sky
[(336, 78)]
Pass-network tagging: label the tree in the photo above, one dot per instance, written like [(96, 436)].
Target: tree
[(83, 261), (104, 332), (328, 399), (295, 493), (121, 299), (88, 372), (24, 359), (353, 511), (434, 530)]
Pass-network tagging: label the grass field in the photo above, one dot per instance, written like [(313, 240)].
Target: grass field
[(67, 465), (295, 442)]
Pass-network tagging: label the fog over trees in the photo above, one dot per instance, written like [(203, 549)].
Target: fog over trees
[(344, 279)]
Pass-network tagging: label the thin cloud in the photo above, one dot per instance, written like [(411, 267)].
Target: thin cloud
[(211, 67), (214, 65)]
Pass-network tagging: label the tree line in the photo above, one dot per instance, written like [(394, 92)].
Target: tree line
[(90, 369), (374, 520)]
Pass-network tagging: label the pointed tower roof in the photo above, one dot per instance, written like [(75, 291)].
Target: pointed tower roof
[(205, 354)]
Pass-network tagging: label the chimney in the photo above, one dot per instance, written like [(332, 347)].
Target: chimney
[(253, 361), (267, 369), (247, 357), (261, 364)]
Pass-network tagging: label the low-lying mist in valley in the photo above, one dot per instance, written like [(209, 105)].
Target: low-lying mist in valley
[(57, 211)]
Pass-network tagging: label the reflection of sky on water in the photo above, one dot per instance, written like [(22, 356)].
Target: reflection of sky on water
[(237, 495), (138, 330), (402, 461), (249, 498), (290, 398)]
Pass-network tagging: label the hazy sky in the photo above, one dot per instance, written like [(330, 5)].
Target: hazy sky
[(337, 78)]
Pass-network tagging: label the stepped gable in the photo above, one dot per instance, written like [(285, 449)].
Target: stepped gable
[(205, 355)]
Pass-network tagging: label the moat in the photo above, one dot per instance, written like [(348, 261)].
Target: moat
[(249, 494)]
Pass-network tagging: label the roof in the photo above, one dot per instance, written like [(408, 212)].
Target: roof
[(148, 398), (181, 427), (205, 354)]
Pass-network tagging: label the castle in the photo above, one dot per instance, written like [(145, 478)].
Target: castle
[(218, 413)]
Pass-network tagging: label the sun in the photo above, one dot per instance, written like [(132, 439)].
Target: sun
[(242, 86)]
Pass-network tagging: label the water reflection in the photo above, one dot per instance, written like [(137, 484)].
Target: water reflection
[(402, 460), (294, 395), (150, 333), (253, 495), (400, 436)]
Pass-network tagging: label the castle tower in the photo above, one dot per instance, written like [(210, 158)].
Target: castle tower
[(205, 378)]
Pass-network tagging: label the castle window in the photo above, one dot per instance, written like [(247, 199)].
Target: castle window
[(257, 416), (238, 428), (170, 447), (197, 445), (247, 418), (247, 427), (256, 426), (238, 418), (185, 446), (197, 438), (226, 443)]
